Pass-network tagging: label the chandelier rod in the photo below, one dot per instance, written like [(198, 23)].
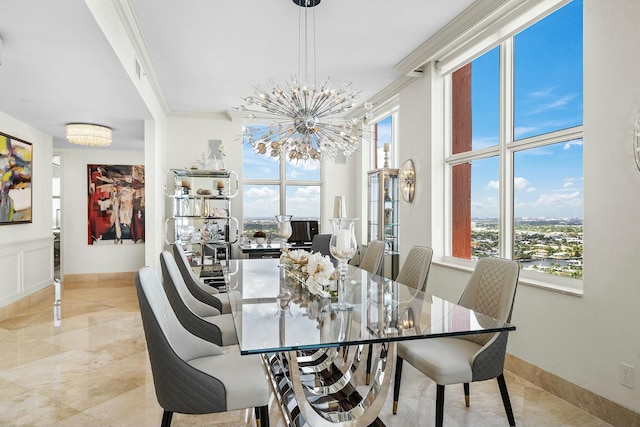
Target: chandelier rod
[(315, 74), (306, 6)]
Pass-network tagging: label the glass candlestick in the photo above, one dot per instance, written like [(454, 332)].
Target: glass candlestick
[(343, 247)]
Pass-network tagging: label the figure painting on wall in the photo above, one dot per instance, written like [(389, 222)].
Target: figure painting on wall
[(15, 189), (116, 204)]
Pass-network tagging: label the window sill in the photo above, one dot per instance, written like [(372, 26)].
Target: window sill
[(468, 266)]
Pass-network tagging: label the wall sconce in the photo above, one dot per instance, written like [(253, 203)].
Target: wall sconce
[(407, 177)]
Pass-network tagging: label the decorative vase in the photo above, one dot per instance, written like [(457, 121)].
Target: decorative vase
[(284, 228), (343, 246)]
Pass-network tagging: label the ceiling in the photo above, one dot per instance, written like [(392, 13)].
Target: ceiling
[(57, 66)]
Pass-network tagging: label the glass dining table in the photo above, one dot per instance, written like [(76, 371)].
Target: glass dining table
[(331, 367)]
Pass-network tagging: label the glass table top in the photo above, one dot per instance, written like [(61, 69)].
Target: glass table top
[(384, 310)]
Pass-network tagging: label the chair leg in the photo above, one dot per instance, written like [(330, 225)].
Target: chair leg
[(466, 394), (505, 399), (369, 356), (396, 383), (262, 416), (439, 405), (166, 418)]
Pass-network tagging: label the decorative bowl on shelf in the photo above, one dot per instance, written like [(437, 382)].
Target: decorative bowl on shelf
[(259, 237)]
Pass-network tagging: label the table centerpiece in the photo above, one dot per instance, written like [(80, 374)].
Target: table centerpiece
[(310, 269)]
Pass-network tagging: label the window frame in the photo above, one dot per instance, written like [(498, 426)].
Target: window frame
[(505, 150), (283, 182)]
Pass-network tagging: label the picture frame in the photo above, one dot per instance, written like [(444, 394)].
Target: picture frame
[(16, 168), (116, 206)]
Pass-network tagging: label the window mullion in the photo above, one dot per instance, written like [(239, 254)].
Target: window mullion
[(506, 156), (283, 184), (444, 91)]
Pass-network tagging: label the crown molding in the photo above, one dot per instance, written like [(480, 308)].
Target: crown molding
[(474, 19), (223, 115)]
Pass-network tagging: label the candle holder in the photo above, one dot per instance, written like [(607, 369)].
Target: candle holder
[(284, 229), (343, 247)]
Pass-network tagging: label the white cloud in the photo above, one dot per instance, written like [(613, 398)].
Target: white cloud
[(561, 203), (304, 202), (261, 193), (558, 103), (309, 165), (570, 143), (309, 191), (261, 202), (544, 93), (521, 130), (520, 183), (487, 207), (568, 182), (493, 185), (559, 200)]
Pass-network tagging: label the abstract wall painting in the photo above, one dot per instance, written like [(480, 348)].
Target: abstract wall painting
[(16, 159), (116, 204)]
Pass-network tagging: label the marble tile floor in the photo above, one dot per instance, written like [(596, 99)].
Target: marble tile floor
[(91, 369)]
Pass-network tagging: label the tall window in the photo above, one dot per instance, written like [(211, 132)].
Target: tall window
[(273, 187), (515, 158), (382, 142)]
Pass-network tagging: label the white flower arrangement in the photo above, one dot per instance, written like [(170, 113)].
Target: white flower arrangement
[(315, 269)]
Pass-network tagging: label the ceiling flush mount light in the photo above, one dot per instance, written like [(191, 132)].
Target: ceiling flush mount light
[(88, 134), (304, 119), (407, 177)]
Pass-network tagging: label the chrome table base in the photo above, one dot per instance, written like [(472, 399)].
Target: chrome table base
[(326, 387)]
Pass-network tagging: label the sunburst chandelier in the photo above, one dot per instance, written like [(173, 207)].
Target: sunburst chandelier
[(306, 120)]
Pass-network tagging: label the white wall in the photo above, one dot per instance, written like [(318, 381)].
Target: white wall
[(78, 257), (581, 339), (414, 134), (26, 250), (187, 139)]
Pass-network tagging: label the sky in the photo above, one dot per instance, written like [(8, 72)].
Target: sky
[(262, 201), (548, 97)]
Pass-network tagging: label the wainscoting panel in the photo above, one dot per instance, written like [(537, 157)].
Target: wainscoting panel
[(38, 266), (10, 283), (26, 267)]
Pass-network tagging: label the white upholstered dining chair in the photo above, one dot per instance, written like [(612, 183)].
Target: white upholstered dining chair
[(414, 273), (201, 319), (415, 269), (452, 360), (372, 258), (191, 375), (205, 293)]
